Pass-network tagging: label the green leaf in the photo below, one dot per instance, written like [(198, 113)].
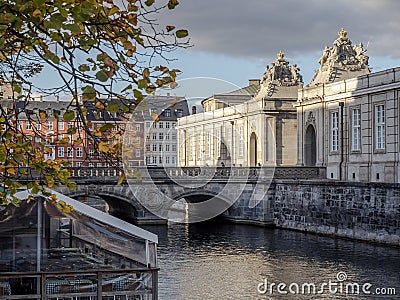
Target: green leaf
[(112, 107), (69, 115), (89, 93), (84, 68), (101, 56), (181, 33), (106, 127), (102, 76), (142, 83), (149, 2), (71, 130)]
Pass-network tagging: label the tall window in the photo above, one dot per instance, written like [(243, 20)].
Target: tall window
[(208, 144), (28, 125), (161, 125), (167, 124), (79, 152), (61, 152), (218, 143), (380, 127), (356, 129), (167, 113), (38, 126), (49, 125), (241, 140), (70, 152), (60, 125), (334, 131), (137, 152), (138, 128)]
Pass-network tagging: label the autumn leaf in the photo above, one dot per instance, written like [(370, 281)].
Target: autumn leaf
[(121, 179)]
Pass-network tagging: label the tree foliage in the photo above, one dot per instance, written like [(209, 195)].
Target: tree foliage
[(101, 50)]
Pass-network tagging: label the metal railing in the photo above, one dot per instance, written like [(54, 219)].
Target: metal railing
[(129, 284)]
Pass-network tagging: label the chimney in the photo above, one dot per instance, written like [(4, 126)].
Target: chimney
[(41, 98), (193, 109), (58, 98), (254, 82)]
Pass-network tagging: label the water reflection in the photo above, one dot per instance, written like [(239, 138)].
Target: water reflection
[(225, 261)]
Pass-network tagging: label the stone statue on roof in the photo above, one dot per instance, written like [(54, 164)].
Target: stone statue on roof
[(281, 73), (341, 61)]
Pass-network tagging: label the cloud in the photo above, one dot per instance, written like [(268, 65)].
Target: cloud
[(258, 29)]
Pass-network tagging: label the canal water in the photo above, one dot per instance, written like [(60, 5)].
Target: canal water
[(225, 261)]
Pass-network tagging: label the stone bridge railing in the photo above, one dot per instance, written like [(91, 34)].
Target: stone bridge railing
[(219, 173)]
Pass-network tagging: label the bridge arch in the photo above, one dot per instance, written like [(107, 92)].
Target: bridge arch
[(121, 204)]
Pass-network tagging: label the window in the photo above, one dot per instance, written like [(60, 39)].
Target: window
[(91, 165), (160, 160), (380, 127), (137, 140), (99, 165), (241, 140), (38, 139), (154, 136), (161, 125), (60, 137), (38, 126), (153, 111), (167, 136), (137, 152), (174, 136), (167, 159), (173, 148), (91, 152), (148, 124), (60, 125), (167, 124), (154, 159), (167, 113), (147, 137), (28, 125), (154, 147), (160, 147), (70, 152), (167, 147), (173, 160), (161, 136), (179, 113), (79, 152), (218, 144), (356, 129), (61, 152), (147, 147), (154, 125), (173, 124), (78, 163), (138, 127), (334, 131), (49, 125), (70, 125), (208, 143), (19, 125), (147, 160)]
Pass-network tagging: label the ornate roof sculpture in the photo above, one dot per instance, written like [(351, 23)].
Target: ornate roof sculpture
[(281, 80), (341, 61)]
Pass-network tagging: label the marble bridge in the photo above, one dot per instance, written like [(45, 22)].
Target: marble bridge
[(247, 188)]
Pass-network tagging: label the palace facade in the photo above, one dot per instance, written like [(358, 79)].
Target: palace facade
[(346, 119)]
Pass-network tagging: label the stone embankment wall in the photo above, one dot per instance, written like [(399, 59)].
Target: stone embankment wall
[(369, 212)]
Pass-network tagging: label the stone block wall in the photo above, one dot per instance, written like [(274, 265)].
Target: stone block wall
[(361, 211)]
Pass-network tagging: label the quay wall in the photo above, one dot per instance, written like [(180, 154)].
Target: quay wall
[(361, 211)]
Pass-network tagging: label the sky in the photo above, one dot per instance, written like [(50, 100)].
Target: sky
[(233, 40)]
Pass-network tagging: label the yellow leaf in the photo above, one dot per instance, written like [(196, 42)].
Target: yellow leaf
[(155, 117), (103, 147), (43, 115), (11, 171), (50, 183), (121, 179), (99, 105), (37, 13)]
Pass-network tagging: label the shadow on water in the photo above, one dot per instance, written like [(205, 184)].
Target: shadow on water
[(215, 260)]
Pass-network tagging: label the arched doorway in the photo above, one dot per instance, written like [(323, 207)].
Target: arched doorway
[(253, 150), (310, 147)]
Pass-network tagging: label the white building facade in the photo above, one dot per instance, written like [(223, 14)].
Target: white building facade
[(350, 124), (253, 126)]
